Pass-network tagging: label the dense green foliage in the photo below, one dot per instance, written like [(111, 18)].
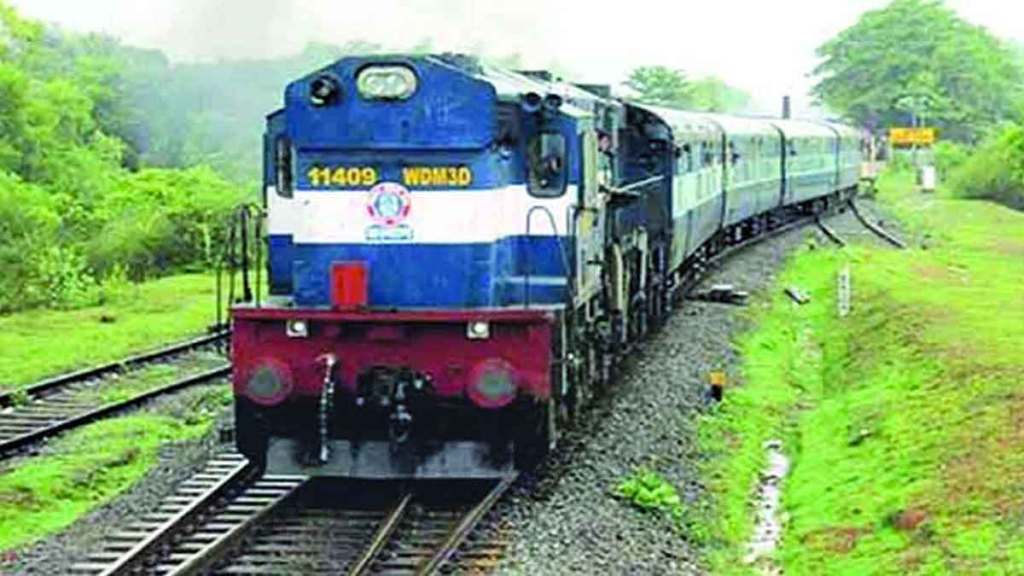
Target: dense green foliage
[(75, 210), (917, 60), (210, 113), (995, 170), (668, 87)]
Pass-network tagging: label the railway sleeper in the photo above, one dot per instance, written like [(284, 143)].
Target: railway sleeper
[(129, 535), (88, 567)]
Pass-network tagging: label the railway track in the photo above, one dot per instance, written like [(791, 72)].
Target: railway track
[(875, 228), (700, 269), (228, 520), (58, 404)]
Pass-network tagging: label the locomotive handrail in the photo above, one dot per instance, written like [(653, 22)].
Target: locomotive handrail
[(629, 189), (242, 253), (561, 250)]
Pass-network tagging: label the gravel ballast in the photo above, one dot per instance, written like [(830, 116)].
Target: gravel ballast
[(568, 521)]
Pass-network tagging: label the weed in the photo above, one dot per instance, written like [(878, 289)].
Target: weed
[(649, 491), (20, 397)]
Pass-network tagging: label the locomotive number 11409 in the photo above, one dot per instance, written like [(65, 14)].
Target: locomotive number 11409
[(411, 176), (322, 176)]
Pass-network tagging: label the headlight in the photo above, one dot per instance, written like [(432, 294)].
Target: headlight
[(386, 82), (492, 384), (269, 383)]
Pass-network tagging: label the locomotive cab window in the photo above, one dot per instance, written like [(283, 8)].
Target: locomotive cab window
[(548, 173), (283, 168)]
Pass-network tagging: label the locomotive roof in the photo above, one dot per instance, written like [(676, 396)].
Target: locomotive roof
[(511, 85)]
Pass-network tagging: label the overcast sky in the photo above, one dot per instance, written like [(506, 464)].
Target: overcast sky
[(764, 47)]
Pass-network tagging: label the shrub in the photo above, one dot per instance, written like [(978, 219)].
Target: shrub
[(159, 219), (29, 223), (139, 241), (64, 278), (61, 250), (996, 170), (949, 157)]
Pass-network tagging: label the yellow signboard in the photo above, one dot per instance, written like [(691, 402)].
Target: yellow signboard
[(912, 136)]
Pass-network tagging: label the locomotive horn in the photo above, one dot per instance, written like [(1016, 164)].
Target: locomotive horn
[(530, 102)]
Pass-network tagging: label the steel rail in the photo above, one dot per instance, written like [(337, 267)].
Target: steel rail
[(876, 229), (381, 537), (20, 441), (49, 385), (830, 233), (465, 526)]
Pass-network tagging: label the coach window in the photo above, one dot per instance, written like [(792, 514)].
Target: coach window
[(686, 158), (708, 154), (546, 153)]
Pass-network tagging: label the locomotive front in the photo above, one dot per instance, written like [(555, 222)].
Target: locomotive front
[(413, 311)]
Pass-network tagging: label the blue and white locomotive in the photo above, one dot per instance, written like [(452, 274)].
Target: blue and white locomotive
[(459, 255)]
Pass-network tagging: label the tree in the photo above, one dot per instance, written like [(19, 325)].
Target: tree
[(70, 215), (713, 95), (916, 60), (661, 85), (668, 87)]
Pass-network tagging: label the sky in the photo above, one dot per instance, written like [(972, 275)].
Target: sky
[(764, 47)]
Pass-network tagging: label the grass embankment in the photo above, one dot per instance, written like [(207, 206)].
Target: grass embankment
[(91, 466), (41, 343), (904, 420)]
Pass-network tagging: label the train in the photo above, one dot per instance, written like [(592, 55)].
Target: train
[(459, 255)]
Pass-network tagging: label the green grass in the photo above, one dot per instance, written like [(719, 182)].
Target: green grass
[(904, 419), (89, 467), (41, 343), (151, 377)]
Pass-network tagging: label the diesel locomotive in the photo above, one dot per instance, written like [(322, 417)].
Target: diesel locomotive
[(459, 255)]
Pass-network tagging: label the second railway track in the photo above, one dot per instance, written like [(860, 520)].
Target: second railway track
[(58, 404)]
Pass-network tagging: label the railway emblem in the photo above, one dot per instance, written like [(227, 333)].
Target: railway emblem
[(388, 205)]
